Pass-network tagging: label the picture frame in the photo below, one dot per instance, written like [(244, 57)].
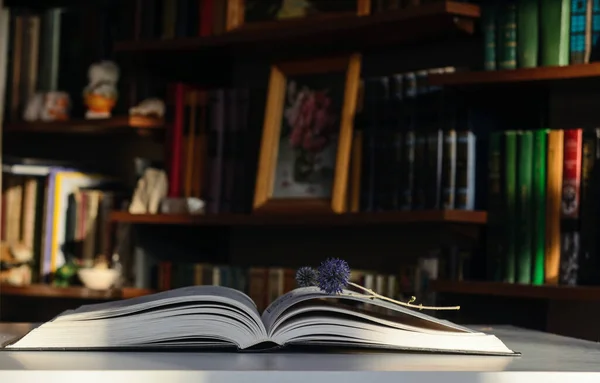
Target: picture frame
[(305, 157), (237, 13)]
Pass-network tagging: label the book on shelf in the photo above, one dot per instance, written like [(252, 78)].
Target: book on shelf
[(212, 317)]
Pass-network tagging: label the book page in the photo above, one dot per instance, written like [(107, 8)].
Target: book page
[(287, 301), (177, 295)]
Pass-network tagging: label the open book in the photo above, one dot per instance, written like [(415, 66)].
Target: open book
[(213, 316)]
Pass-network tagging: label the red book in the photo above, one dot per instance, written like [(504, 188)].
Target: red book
[(206, 17), (571, 173), (176, 138)]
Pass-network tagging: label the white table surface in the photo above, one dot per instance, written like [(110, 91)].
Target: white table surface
[(545, 358)]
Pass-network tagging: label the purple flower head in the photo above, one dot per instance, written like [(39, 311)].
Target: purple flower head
[(306, 277), (333, 275)]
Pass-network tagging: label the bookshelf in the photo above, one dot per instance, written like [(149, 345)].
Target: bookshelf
[(512, 290), (401, 26), (119, 124), (531, 75), (350, 219), (74, 292)]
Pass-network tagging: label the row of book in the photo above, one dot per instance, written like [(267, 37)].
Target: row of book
[(263, 284), (58, 214), (531, 33), (33, 57), (219, 148), (418, 150), (543, 209)]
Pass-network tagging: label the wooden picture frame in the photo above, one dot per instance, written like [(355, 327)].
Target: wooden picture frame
[(347, 69), (236, 15)]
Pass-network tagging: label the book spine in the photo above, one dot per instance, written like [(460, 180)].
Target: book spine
[(421, 116), (524, 207), (589, 271), (510, 195), (465, 170), (181, 18), (554, 32), (554, 169), (435, 153), (595, 30), (581, 31), (169, 18), (408, 182), (488, 19), (449, 170), (206, 18), (539, 204), (508, 41), (176, 141), (495, 240), (383, 145), (367, 203), (570, 207), (216, 138), (527, 33)]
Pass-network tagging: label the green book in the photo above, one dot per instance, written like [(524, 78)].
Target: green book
[(510, 196), (540, 152), (524, 207), (527, 33), (488, 21), (506, 49), (555, 28), (496, 243)]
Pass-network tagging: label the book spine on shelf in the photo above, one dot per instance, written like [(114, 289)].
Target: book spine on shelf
[(554, 32), (589, 265), (569, 228), (397, 130), (495, 240), (488, 20), (465, 170), (449, 170), (206, 18), (524, 206), (553, 205), (408, 161), (527, 33), (176, 141), (510, 197), (507, 44), (539, 204), (580, 42)]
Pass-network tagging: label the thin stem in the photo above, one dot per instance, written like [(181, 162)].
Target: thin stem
[(409, 304)]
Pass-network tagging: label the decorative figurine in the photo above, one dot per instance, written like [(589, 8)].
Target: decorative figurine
[(150, 107), (100, 96), (15, 264), (49, 106)]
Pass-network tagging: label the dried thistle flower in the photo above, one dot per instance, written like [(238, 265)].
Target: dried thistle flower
[(306, 277), (333, 275)]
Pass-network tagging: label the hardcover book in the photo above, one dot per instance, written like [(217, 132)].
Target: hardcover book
[(213, 317)]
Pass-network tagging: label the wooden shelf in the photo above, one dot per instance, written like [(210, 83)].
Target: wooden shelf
[(541, 74), (140, 125), (75, 292), (574, 293), (407, 25), (350, 219)]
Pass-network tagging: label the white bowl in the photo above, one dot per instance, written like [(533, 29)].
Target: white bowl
[(98, 279)]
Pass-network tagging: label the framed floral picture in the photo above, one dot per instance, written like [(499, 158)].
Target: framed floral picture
[(307, 136), (262, 13)]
